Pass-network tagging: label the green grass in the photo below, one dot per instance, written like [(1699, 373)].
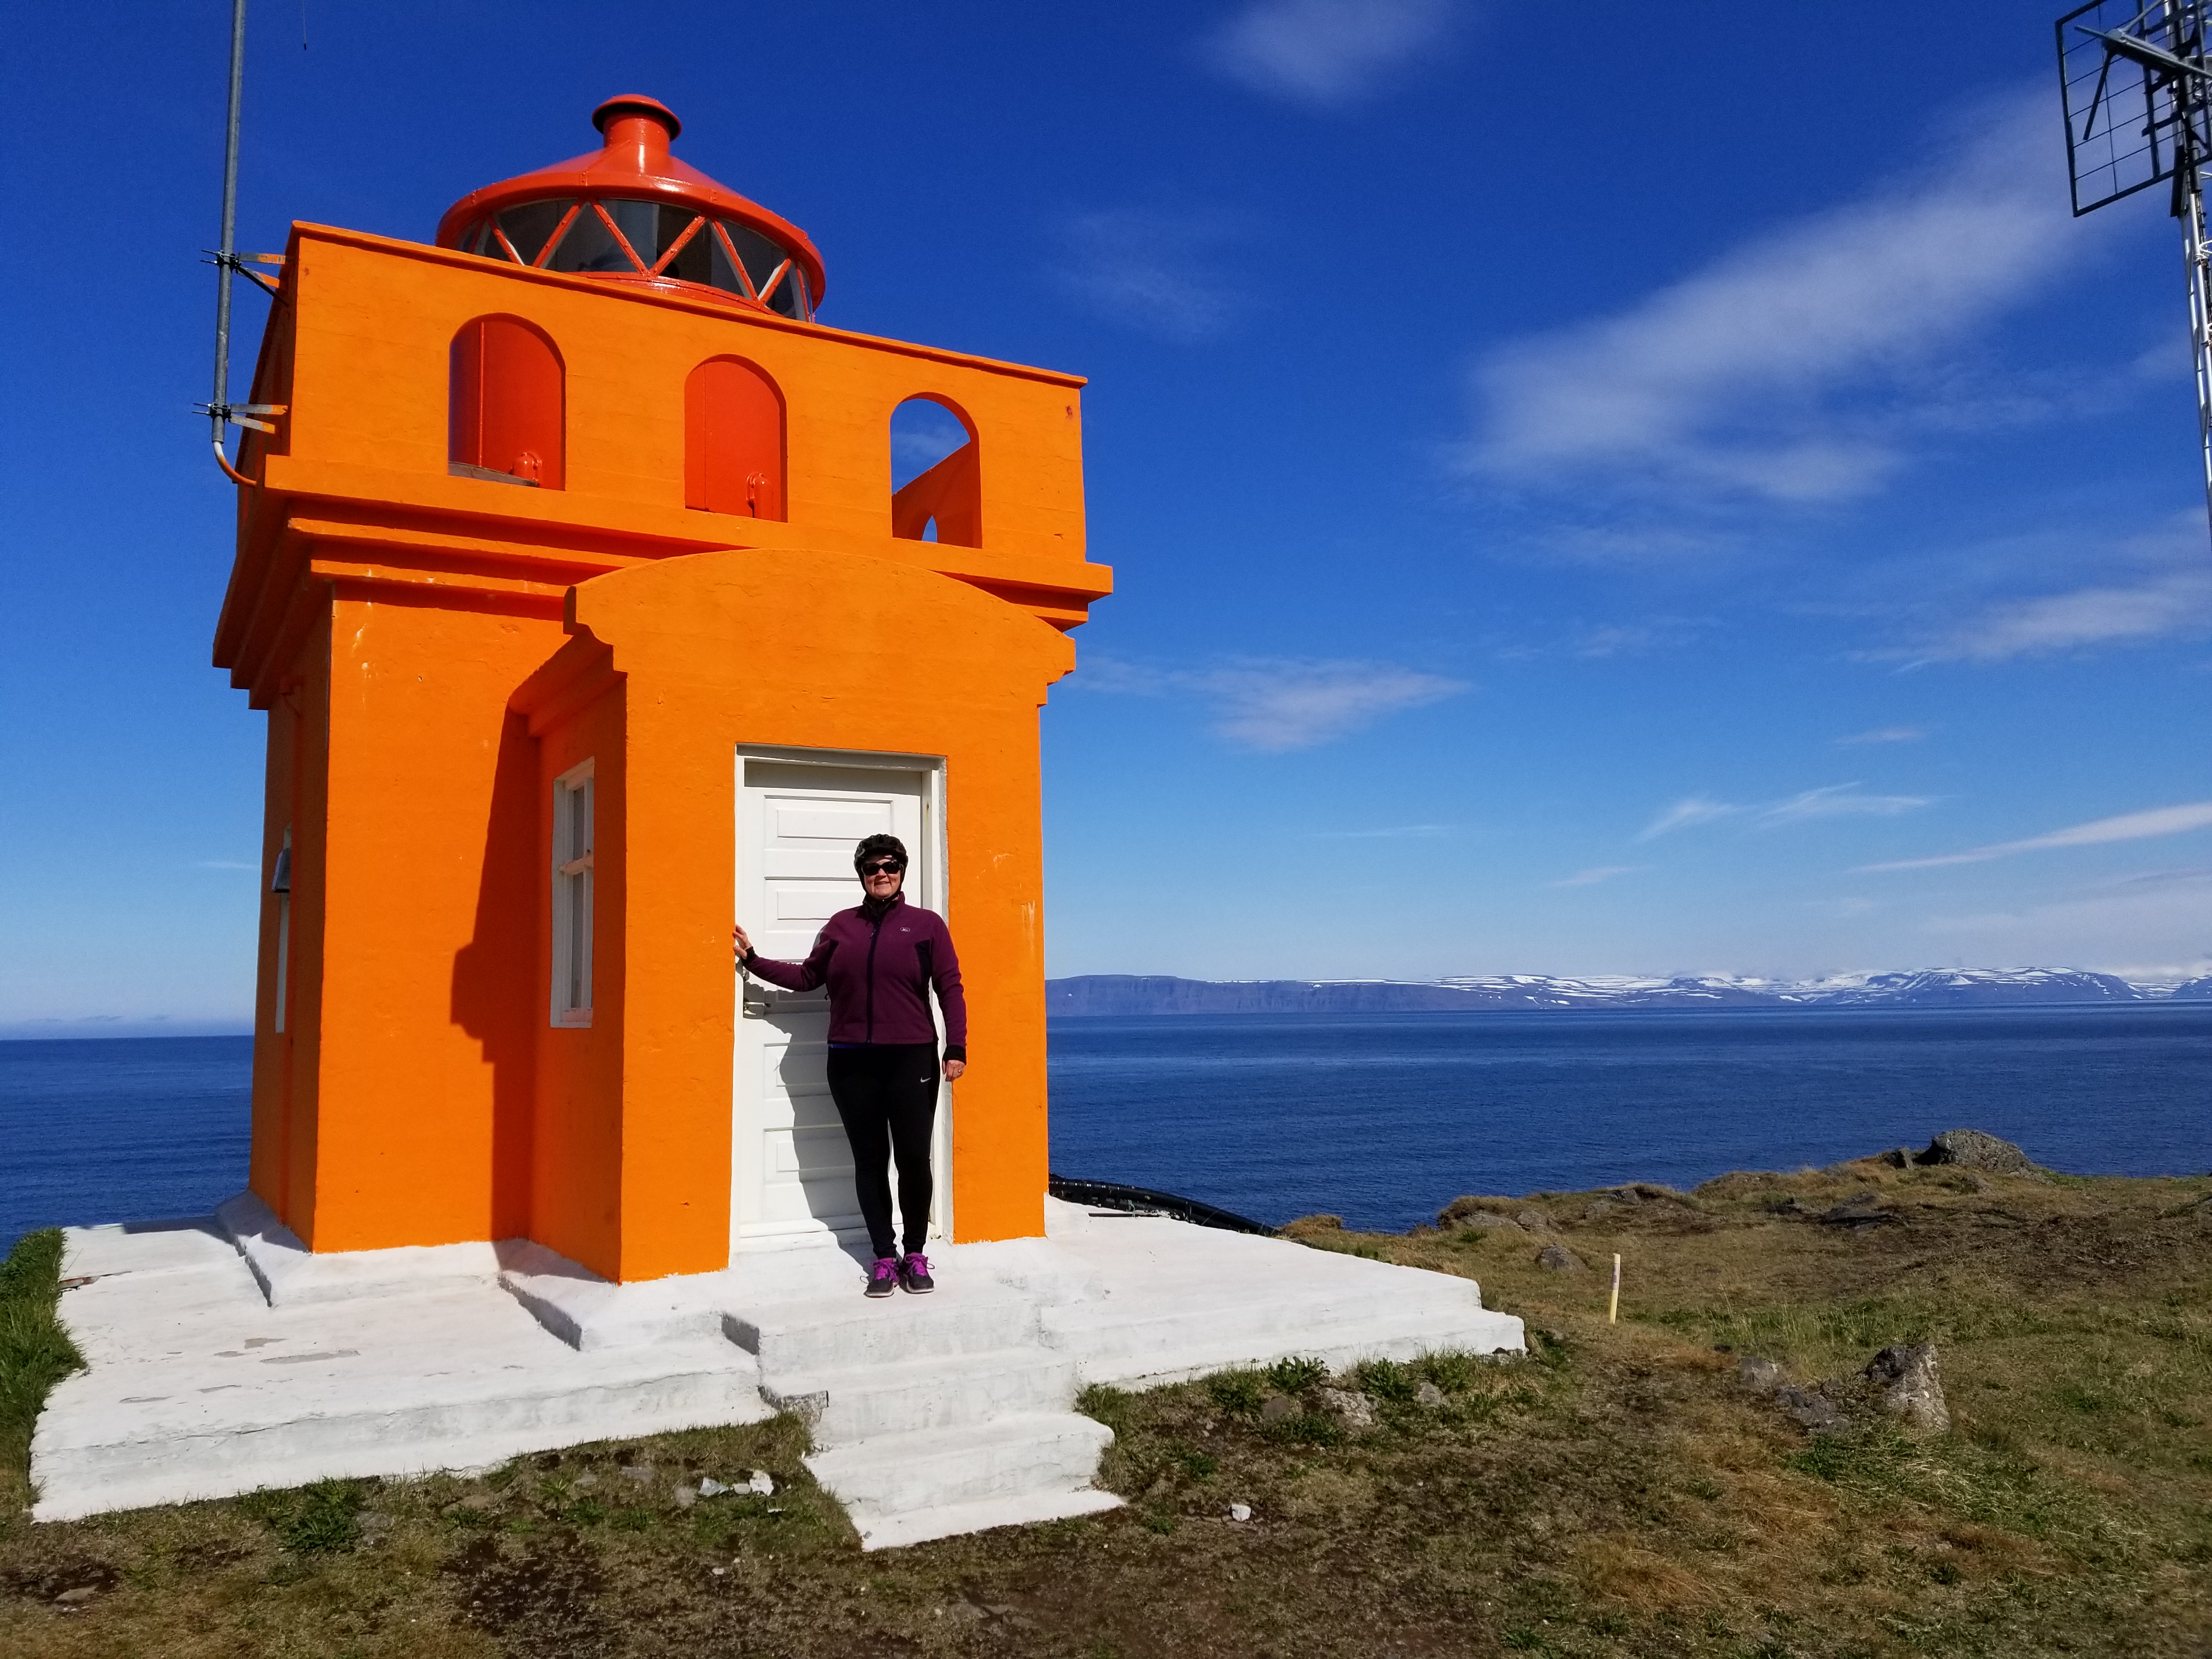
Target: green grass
[(1615, 1492), (36, 1353)]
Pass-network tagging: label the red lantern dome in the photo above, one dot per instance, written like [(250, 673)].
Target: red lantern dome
[(631, 212)]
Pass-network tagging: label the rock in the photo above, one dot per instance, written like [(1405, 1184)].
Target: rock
[(638, 1472), (1489, 1221), (1910, 1386), (685, 1498), (1896, 1157), (1559, 1259), (1240, 1511), (710, 1487), (71, 1598), (1597, 1209), (585, 1482), (1860, 1211), (1811, 1411), (1278, 1408), (1428, 1393), (1971, 1149), (1760, 1376), (1534, 1221), (1357, 1410), (1468, 1211), (761, 1484)]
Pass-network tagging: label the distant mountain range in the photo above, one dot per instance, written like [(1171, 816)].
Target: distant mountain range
[(1091, 994)]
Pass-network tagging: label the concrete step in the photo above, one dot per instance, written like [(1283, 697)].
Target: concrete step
[(941, 1392), (851, 1332), (123, 1436), (884, 1532), (904, 1475), (1129, 1343)]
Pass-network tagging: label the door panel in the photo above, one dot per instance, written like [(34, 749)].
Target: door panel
[(792, 1172)]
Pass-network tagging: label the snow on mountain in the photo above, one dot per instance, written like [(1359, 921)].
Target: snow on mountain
[(1941, 988), (1979, 986)]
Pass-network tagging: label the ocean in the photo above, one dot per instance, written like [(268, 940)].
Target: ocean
[(1384, 1118), (1379, 1118)]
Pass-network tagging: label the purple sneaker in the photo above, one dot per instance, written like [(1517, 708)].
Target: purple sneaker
[(883, 1277), (914, 1275)]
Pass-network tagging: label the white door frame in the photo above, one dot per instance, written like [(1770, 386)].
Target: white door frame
[(927, 862)]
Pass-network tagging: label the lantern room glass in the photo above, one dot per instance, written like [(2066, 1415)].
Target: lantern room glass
[(568, 234)]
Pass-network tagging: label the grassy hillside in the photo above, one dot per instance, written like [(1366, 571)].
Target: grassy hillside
[(1621, 1491)]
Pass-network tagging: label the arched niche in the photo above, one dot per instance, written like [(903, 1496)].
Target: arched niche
[(506, 417), (937, 479), (733, 442)]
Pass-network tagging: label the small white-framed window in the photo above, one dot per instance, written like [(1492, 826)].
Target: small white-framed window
[(572, 897)]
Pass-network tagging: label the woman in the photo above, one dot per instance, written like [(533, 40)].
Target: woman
[(879, 960)]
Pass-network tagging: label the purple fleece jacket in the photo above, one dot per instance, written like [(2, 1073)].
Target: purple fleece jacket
[(879, 974)]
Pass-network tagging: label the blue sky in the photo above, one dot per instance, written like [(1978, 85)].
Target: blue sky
[(1589, 494)]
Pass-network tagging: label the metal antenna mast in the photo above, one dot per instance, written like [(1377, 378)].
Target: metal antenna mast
[(2138, 90), (220, 411)]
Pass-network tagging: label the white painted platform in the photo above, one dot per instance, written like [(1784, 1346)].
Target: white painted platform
[(223, 1358)]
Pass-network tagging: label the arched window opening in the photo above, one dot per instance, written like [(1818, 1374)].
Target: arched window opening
[(505, 416), (937, 482), (732, 440)]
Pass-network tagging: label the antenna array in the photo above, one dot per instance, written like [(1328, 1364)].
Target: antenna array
[(2137, 91)]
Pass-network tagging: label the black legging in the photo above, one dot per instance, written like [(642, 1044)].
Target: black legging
[(886, 1093)]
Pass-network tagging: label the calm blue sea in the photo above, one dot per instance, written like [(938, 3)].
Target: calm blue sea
[(120, 1129), (1382, 1119), (1379, 1118)]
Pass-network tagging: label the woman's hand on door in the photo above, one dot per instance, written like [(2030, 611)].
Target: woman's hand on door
[(953, 1068), (740, 946)]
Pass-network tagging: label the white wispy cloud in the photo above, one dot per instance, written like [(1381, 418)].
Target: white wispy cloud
[(1834, 801), (2194, 876), (1884, 734), (1592, 877), (2173, 603), (1691, 809), (1793, 369), (1275, 704), (1636, 639), (1839, 800), (1153, 272), (1326, 53), (1396, 832), (2128, 826)]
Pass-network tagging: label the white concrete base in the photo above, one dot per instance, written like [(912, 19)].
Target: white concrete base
[(290, 1274), (1170, 1311), (224, 1358), (198, 1388)]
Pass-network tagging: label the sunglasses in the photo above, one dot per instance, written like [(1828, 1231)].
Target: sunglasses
[(883, 867)]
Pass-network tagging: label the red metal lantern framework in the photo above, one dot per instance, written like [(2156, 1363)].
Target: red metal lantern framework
[(631, 212)]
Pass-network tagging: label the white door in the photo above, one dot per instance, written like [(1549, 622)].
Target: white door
[(798, 823)]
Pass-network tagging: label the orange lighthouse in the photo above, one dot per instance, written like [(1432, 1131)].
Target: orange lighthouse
[(587, 620)]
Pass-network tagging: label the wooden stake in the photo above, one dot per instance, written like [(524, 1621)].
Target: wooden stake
[(1613, 1309)]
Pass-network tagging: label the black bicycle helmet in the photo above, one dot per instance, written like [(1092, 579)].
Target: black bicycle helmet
[(880, 846)]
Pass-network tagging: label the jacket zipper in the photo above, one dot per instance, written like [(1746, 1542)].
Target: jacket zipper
[(875, 932)]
